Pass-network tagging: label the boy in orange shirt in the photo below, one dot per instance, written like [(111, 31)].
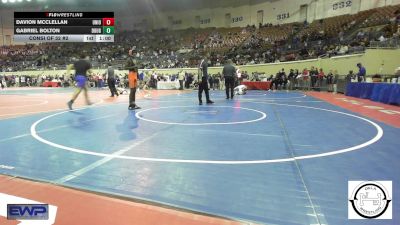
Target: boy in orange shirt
[(133, 80)]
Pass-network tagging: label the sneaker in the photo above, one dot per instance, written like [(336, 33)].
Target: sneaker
[(133, 107), (210, 102), (227, 97), (200, 103), (69, 105)]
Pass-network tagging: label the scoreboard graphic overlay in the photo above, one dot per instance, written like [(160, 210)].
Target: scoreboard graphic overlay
[(64, 26)]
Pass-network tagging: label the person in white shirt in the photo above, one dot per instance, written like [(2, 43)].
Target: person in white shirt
[(397, 73), (343, 50), (23, 81), (240, 90), (239, 77), (2, 83)]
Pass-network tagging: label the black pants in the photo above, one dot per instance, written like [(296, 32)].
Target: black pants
[(111, 85), (180, 84), (132, 97), (313, 81), (203, 85), (275, 84), (229, 86)]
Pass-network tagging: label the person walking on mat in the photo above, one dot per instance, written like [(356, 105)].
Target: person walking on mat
[(82, 68), (111, 80)]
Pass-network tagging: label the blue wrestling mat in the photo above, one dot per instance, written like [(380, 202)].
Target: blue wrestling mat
[(266, 157)]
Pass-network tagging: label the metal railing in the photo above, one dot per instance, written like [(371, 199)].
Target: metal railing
[(388, 43), (336, 85)]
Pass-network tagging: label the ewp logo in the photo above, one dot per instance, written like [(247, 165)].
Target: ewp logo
[(6, 199), (27, 211)]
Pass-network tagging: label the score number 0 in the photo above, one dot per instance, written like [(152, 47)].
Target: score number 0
[(108, 21), (108, 25)]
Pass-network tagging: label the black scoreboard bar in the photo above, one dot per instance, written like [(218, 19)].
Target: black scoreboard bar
[(67, 22), (64, 15), (64, 26)]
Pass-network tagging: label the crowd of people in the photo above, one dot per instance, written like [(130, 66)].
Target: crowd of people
[(184, 48), (308, 78)]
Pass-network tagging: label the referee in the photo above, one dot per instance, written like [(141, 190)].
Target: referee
[(229, 73), (203, 81)]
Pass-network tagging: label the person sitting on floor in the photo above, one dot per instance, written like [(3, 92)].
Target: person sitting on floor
[(240, 90)]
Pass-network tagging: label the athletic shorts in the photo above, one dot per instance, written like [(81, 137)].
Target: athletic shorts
[(80, 81)]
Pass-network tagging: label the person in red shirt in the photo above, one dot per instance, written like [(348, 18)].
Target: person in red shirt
[(306, 78), (321, 76)]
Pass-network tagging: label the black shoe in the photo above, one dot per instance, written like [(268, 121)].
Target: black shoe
[(200, 103), (111, 96), (69, 105), (133, 107), (227, 97), (210, 102)]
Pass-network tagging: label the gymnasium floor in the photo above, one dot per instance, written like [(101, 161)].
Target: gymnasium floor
[(265, 157)]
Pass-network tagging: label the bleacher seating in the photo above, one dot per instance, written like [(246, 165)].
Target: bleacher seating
[(248, 45)]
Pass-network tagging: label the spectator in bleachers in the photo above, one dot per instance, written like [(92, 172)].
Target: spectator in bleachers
[(382, 38), (162, 48)]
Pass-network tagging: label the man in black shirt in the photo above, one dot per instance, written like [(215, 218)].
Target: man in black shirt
[(314, 75), (82, 67), (111, 80), (229, 73), (203, 78), (292, 78), (283, 78)]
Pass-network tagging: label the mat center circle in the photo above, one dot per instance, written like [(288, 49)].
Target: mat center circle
[(198, 116)]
